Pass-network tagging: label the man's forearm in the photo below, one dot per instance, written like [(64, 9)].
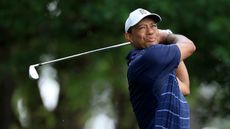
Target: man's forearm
[(183, 78)]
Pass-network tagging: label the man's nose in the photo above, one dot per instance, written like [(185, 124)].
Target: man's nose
[(150, 30)]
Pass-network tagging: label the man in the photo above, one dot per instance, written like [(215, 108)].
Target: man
[(157, 76)]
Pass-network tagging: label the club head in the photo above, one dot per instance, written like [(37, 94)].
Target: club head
[(33, 72)]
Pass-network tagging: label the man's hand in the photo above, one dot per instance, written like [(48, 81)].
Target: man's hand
[(163, 35)]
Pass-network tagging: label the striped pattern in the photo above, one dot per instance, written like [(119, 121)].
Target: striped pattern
[(172, 111), (154, 92)]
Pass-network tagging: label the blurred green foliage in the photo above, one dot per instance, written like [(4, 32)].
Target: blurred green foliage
[(30, 29)]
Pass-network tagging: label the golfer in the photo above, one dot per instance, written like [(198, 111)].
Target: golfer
[(157, 76)]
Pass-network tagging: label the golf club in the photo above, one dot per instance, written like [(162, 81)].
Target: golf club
[(34, 74)]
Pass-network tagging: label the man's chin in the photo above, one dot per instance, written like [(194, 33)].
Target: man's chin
[(148, 44), (152, 43)]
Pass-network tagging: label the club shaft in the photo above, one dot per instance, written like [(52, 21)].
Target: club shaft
[(83, 53)]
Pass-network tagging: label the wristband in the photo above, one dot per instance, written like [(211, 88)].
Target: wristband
[(169, 31)]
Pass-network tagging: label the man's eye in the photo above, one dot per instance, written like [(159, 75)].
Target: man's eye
[(154, 26), (141, 27)]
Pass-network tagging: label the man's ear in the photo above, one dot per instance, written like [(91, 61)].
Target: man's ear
[(128, 36)]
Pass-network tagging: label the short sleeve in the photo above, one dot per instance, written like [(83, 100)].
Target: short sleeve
[(163, 58)]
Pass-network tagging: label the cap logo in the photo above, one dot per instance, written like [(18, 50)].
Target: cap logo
[(142, 11)]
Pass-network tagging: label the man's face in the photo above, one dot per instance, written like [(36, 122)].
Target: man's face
[(144, 34)]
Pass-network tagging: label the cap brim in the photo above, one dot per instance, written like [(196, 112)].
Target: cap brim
[(154, 16)]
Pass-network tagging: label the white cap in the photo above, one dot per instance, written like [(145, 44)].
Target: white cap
[(137, 15)]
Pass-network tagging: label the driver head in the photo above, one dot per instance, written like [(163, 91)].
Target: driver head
[(33, 72)]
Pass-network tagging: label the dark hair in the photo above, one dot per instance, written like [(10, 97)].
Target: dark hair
[(130, 30)]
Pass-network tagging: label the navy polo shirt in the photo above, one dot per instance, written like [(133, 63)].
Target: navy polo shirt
[(154, 92)]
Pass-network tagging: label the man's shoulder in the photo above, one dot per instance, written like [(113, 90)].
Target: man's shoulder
[(161, 49), (161, 54), (161, 46)]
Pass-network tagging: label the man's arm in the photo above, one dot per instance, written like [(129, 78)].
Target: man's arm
[(183, 78), (185, 45)]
